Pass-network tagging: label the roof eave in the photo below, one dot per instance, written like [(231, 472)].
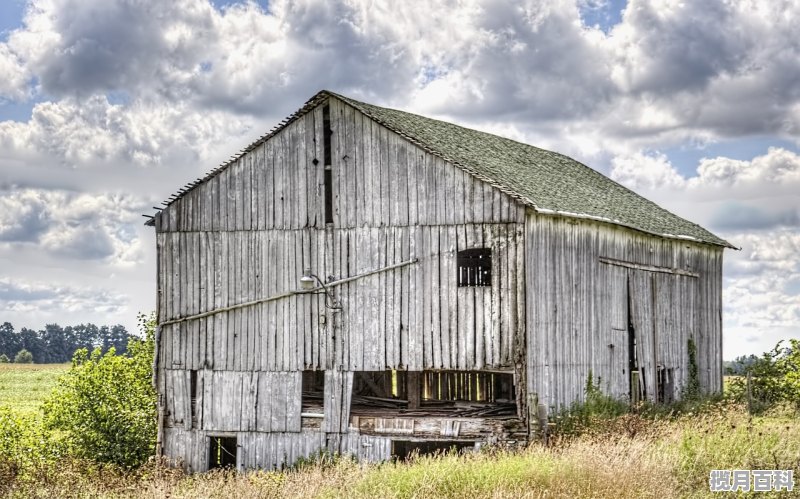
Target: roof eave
[(583, 216)]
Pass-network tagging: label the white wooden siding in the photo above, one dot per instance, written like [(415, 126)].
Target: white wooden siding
[(577, 308)]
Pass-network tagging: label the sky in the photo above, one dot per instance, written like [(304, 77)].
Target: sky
[(109, 106)]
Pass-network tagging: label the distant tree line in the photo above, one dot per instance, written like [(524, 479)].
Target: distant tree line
[(740, 365), (56, 344)]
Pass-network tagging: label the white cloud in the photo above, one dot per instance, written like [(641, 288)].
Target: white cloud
[(145, 95), (778, 169), (778, 166), (14, 83), (647, 172), (71, 225), (24, 296)]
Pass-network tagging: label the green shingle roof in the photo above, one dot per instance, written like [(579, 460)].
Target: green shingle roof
[(547, 181)]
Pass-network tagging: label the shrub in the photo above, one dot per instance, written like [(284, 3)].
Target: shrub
[(3, 359), (23, 357), (691, 391), (774, 379), (25, 447), (105, 404)]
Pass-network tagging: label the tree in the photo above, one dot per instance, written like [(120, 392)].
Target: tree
[(23, 357), (30, 340), (773, 378), (3, 359), (106, 404), (9, 340)]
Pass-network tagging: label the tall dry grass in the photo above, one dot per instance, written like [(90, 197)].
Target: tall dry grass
[(628, 457)]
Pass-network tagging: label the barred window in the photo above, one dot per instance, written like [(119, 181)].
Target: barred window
[(474, 267)]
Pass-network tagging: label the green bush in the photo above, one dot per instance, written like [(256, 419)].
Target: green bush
[(4, 359), (106, 406), (23, 357), (26, 447), (774, 379)]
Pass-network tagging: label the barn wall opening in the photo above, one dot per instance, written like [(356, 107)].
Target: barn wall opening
[(313, 392), (327, 163), (403, 449), (474, 267), (666, 385), (451, 393), (222, 452), (193, 396)]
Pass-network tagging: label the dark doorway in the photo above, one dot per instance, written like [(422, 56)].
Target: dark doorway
[(666, 385), (222, 452), (402, 449), (636, 376), (313, 400)]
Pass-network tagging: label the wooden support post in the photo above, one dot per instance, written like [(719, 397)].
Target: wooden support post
[(749, 393), (414, 389), (541, 414)]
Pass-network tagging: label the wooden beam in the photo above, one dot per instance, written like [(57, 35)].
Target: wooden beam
[(414, 389), (286, 294), (648, 268)]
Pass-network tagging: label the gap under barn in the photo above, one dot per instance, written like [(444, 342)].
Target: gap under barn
[(403, 449)]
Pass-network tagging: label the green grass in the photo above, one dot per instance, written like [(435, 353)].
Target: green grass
[(649, 454), (23, 387), (668, 456)]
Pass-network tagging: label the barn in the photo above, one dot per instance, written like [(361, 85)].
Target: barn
[(366, 281)]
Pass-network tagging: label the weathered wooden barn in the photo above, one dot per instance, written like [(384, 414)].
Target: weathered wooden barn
[(364, 280)]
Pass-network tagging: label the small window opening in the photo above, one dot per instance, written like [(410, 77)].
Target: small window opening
[(222, 452), (474, 267), (193, 396), (403, 449), (327, 156), (313, 399)]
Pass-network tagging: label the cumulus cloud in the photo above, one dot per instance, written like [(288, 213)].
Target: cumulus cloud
[(669, 70), (14, 84), (706, 64), (735, 215), (646, 172), (96, 132), (144, 94), (76, 226), (778, 169), (757, 287), (24, 296)]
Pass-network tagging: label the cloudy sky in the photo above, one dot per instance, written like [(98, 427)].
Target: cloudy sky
[(109, 106)]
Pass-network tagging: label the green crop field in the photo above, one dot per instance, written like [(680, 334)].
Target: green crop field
[(23, 387)]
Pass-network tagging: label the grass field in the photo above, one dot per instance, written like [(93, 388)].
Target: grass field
[(631, 456), (23, 387)]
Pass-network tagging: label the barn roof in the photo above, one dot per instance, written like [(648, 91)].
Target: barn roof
[(547, 181)]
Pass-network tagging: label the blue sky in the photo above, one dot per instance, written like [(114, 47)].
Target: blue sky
[(108, 106), (602, 13)]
